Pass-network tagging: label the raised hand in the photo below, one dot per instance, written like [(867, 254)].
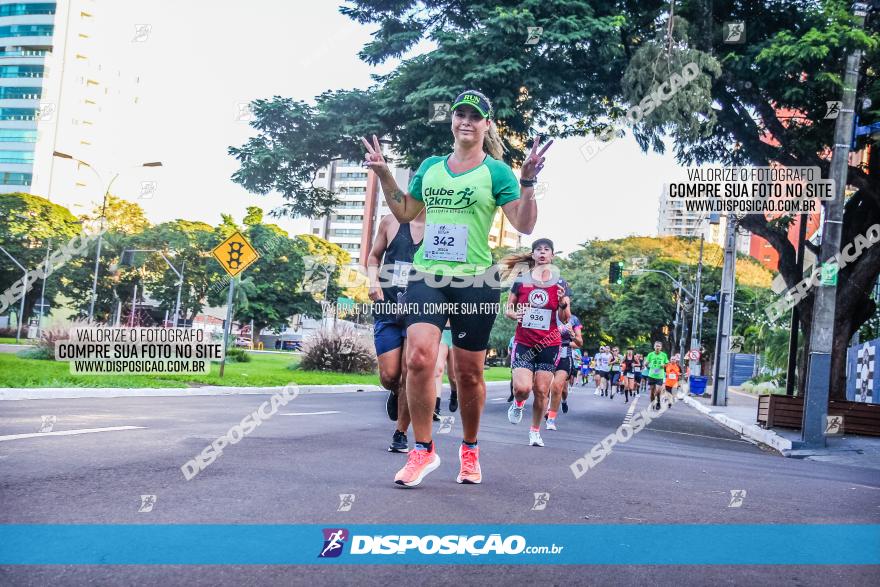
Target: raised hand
[(534, 163), (374, 159)]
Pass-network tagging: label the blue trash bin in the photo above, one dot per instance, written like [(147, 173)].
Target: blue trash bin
[(698, 385)]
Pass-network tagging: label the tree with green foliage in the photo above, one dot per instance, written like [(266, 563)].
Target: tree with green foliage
[(28, 225)]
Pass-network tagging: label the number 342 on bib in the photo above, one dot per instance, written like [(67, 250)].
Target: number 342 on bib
[(446, 242)]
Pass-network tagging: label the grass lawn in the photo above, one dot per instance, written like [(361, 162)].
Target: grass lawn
[(11, 340), (264, 370)]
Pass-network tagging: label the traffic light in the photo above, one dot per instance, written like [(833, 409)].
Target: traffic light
[(615, 272)]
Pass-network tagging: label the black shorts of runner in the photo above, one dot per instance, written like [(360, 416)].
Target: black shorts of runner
[(564, 364), (655, 381), (477, 305), (615, 377), (535, 358), (638, 377)]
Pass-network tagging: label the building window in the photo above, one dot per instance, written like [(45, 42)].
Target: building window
[(316, 231), (21, 71), (351, 175), (20, 93), (17, 135), (16, 156), (16, 178), (27, 30), (22, 9)]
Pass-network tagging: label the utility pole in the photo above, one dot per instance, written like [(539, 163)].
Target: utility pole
[(725, 316), (795, 313), (698, 309), (227, 326), (818, 383)]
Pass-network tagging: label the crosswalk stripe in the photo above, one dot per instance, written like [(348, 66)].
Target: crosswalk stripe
[(629, 413), (308, 413)]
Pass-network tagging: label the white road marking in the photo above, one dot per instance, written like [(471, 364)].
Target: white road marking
[(67, 432), (629, 413), (308, 413), (498, 399)]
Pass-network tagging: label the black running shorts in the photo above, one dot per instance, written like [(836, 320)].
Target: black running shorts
[(564, 364), (535, 358), (470, 310)]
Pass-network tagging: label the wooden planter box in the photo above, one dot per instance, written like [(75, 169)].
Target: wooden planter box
[(788, 412)]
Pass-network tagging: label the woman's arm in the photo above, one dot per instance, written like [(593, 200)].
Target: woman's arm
[(402, 205)]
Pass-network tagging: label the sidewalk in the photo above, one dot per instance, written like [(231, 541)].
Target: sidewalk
[(740, 415)]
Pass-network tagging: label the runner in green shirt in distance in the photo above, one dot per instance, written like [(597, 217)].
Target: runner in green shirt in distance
[(656, 362)]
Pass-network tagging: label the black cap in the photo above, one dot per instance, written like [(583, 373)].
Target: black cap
[(543, 241), (476, 99)]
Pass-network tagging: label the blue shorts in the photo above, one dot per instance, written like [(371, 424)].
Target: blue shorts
[(387, 336)]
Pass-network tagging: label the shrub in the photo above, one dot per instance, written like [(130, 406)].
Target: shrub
[(341, 350), (11, 332), (44, 348), (237, 355)]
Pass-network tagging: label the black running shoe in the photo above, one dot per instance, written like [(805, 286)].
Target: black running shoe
[(564, 406), (391, 406), (437, 410), (453, 401), (398, 442)]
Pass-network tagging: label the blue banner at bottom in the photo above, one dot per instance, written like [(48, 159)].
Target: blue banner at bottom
[(148, 544)]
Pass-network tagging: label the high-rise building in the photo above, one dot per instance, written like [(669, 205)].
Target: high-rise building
[(26, 41), (674, 220), (88, 109)]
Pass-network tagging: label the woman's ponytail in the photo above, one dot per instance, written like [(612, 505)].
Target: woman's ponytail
[(492, 142)]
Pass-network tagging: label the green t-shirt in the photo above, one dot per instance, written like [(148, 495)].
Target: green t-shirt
[(656, 362), (461, 207)]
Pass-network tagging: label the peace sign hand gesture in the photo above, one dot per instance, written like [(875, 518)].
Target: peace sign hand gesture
[(534, 163), (374, 159)]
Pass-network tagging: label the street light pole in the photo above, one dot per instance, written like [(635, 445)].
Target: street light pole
[(179, 287), (61, 155), (43, 290), (98, 251), (725, 316), (817, 387)]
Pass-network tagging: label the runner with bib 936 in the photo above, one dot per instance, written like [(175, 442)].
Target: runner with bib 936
[(461, 192)]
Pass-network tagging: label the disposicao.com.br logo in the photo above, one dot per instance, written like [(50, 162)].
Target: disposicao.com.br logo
[(401, 544)]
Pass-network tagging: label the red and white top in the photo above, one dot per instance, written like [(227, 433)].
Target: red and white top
[(538, 326)]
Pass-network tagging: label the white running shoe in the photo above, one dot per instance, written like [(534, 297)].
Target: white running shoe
[(535, 438), (515, 414), (551, 424), (596, 392)]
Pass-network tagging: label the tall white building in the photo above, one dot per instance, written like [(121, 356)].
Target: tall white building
[(674, 220), (90, 112), (27, 38)]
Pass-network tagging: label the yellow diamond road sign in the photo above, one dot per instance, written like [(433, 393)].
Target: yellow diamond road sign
[(235, 254)]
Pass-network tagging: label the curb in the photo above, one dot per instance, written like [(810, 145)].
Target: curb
[(753, 432), (32, 393)]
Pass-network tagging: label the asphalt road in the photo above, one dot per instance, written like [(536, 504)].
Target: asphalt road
[(293, 468)]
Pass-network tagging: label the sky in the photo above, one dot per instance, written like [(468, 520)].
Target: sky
[(199, 63)]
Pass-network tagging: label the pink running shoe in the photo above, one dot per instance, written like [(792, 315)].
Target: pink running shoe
[(470, 465), (418, 464)]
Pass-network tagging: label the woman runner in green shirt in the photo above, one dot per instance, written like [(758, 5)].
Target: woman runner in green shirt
[(454, 279)]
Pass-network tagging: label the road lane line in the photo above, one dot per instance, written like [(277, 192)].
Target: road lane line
[(308, 413), (67, 432), (695, 434)]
